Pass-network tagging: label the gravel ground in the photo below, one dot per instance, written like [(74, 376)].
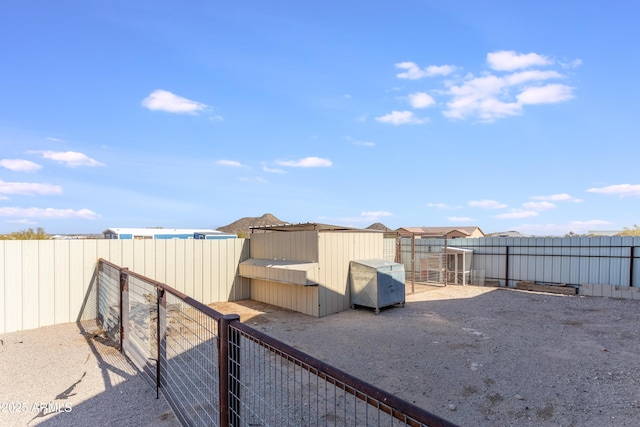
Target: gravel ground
[(63, 375), (482, 356), (475, 356)]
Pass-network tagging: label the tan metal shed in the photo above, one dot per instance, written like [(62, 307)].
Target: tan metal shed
[(305, 267)]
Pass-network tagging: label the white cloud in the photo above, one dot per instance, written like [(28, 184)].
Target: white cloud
[(509, 60), (516, 214), (19, 165), (414, 72), (69, 158), (622, 190), (365, 143), (162, 100), (257, 179), (28, 188), (493, 94), (530, 76), (401, 118), (232, 163), (539, 206), (571, 64), (376, 214), (441, 206), (487, 204), (579, 227), (421, 100), (492, 97), (589, 223), (50, 138), (548, 94), (364, 218), (271, 170), (459, 219), (217, 118), (47, 213), (563, 197), (307, 162)]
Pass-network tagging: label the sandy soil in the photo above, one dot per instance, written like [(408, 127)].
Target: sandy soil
[(65, 375), (475, 356), (482, 356)]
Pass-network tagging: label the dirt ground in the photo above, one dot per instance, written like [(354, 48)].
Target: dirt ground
[(65, 375), (482, 356)]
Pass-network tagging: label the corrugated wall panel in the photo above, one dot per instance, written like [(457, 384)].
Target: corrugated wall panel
[(223, 269), (293, 246), (13, 285), (29, 279), (206, 274), (3, 290), (291, 297), (200, 264), (575, 261), (49, 282), (336, 250), (63, 285), (160, 260), (88, 309), (150, 266), (46, 283), (77, 271)]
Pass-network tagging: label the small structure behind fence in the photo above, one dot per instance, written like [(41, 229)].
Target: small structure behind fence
[(611, 262), (216, 371)]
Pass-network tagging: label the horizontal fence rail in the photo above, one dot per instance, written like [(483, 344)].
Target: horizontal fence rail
[(216, 371)]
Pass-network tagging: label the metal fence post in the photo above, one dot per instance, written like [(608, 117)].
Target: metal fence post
[(161, 304), (506, 266), (124, 304), (229, 371), (631, 256)]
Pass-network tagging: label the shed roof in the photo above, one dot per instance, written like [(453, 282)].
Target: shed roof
[(310, 226)]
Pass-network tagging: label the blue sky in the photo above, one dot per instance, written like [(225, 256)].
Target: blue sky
[(501, 114)]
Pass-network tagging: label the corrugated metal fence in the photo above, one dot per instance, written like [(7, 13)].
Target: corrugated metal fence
[(46, 282), (573, 261)]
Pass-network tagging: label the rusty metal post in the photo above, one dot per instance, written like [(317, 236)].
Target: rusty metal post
[(446, 261), (124, 305), (161, 304), (413, 263), (229, 371)]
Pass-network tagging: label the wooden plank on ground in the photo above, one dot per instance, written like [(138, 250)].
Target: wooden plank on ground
[(554, 289)]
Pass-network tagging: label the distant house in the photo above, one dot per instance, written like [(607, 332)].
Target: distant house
[(165, 233), (440, 232)]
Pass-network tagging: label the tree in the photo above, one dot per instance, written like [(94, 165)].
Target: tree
[(630, 231), (28, 234)]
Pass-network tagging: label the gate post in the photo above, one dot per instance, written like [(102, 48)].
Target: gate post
[(229, 371), (124, 305), (161, 335)]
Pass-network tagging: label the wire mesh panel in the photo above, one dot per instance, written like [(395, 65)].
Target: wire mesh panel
[(424, 260), (214, 370), (276, 387), (109, 299), (189, 363), (141, 327)]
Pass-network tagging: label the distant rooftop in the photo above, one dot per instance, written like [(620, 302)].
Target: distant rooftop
[(307, 226)]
